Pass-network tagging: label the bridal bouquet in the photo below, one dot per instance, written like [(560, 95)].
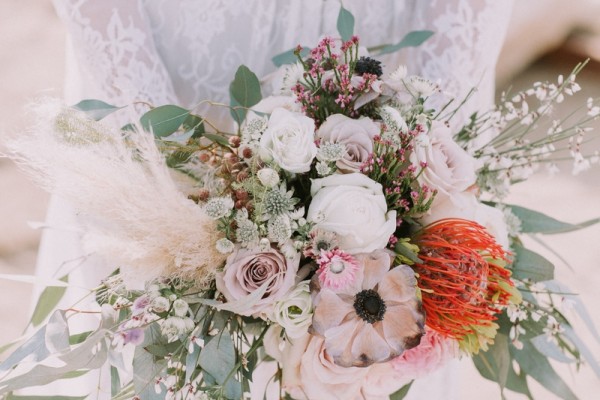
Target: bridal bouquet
[(344, 238)]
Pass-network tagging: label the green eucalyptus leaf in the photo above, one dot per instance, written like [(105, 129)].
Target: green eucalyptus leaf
[(217, 139), (145, 366), (550, 349), (47, 301), (218, 357), (400, 394), (164, 120), (537, 222), (34, 349), (233, 389), (588, 355), (79, 337), (96, 109), (536, 365), (178, 137), (289, 57), (115, 382), (412, 39), (345, 24), (531, 265), (244, 91), (494, 364), (579, 306)]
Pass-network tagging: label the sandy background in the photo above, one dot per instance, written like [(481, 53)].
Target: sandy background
[(32, 63)]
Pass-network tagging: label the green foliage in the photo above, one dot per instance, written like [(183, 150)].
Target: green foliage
[(164, 120), (400, 394), (537, 222), (411, 39), (345, 24), (47, 301), (494, 364), (530, 265), (96, 109), (290, 56), (244, 91)]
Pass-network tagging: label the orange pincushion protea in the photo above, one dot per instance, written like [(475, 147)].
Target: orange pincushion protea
[(463, 281)]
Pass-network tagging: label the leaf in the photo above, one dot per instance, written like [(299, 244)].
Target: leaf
[(531, 265), (550, 349), (96, 109), (145, 367), (79, 337), (289, 57), (178, 137), (244, 91), (536, 365), (115, 381), (217, 139), (400, 394), (579, 306), (34, 348), (47, 301), (345, 24), (494, 364), (164, 120), (218, 357), (536, 222), (411, 39), (590, 357), (57, 333)]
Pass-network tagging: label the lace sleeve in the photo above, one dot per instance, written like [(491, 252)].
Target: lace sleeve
[(114, 52), (463, 53)]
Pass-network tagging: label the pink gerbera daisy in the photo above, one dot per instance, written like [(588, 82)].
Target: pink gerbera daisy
[(337, 269)]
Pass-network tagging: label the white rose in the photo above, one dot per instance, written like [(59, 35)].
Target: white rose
[(269, 104), (290, 140), (466, 206), (294, 311), (449, 169), (352, 206), (355, 134)]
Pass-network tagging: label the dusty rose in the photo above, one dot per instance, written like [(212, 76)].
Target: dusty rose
[(355, 134), (375, 319), (247, 270), (450, 169), (432, 353)]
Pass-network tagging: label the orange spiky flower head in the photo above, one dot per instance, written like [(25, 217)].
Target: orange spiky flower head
[(463, 281)]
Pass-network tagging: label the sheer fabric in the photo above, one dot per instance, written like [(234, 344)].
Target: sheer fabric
[(184, 51)]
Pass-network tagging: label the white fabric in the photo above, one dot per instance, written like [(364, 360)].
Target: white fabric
[(184, 51)]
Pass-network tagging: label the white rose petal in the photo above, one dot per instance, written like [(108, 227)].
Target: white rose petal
[(352, 206), (294, 311), (268, 177), (289, 140)]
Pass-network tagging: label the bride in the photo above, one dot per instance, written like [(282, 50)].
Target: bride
[(184, 51)]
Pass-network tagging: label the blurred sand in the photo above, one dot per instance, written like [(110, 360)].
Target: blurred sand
[(31, 64)]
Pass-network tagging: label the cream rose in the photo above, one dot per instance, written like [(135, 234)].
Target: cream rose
[(450, 169), (355, 134), (247, 270), (294, 311), (289, 140), (352, 206), (465, 205)]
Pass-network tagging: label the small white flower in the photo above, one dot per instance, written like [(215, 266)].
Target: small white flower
[(173, 327), (180, 307), (323, 169), (224, 246), (293, 74), (393, 120), (420, 87), (331, 151), (294, 311), (279, 229), (399, 74), (268, 177), (218, 207), (297, 214), (160, 304)]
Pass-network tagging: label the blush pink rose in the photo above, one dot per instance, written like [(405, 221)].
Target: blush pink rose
[(432, 353), (247, 270)]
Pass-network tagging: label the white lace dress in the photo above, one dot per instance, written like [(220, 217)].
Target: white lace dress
[(184, 51)]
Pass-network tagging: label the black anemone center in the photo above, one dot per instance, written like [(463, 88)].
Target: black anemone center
[(369, 306), (368, 65)]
